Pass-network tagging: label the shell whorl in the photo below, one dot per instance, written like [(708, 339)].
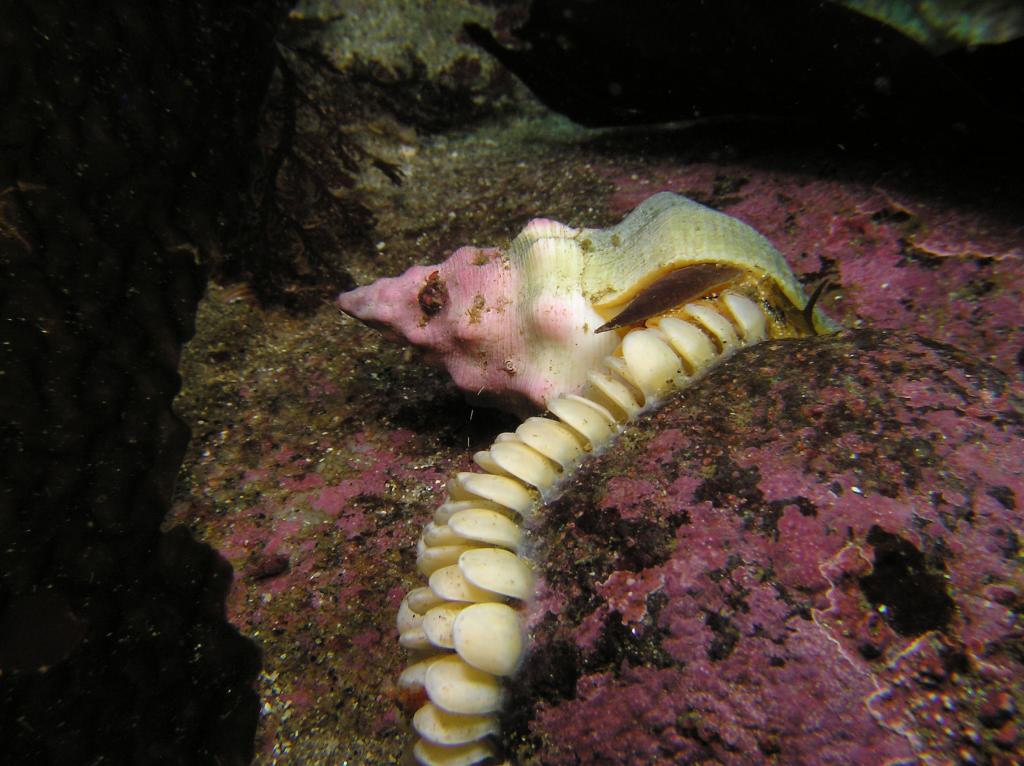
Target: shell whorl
[(672, 231), (465, 621)]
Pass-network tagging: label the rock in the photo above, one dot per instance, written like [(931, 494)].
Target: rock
[(124, 136), (812, 555)]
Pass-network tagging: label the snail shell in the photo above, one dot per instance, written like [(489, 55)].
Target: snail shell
[(516, 327)]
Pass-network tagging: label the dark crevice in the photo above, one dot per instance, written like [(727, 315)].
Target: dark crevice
[(910, 596)]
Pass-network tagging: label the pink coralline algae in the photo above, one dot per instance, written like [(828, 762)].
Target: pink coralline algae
[(812, 556)]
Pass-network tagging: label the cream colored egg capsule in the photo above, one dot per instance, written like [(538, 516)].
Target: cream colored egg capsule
[(456, 686), (749, 319), (420, 600), (552, 439), (444, 728), (414, 677), (450, 584), (447, 509), (503, 490), (431, 754), (489, 637), (431, 558), (616, 395), (525, 463), (691, 343), (435, 535), (652, 363), (437, 624), (716, 324), (589, 419), (497, 570), (481, 525)]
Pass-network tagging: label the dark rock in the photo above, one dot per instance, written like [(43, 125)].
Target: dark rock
[(122, 154)]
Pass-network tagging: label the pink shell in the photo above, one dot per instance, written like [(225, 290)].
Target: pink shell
[(509, 331)]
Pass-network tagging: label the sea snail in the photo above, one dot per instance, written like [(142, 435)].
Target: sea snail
[(596, 326)]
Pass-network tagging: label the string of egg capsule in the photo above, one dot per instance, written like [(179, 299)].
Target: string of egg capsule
[(464, 620)]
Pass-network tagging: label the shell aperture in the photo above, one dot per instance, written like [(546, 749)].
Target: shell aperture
[(673, 289)]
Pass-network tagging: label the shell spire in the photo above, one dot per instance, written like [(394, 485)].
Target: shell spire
[(512, 328)]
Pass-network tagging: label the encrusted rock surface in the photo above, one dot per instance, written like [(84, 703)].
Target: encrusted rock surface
[(811, 556)]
